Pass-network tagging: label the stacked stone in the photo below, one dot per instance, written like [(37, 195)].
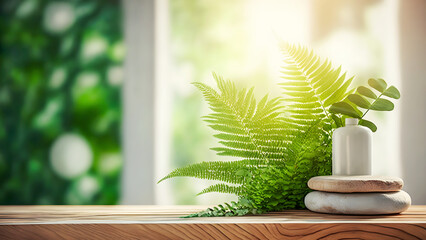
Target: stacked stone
[(358, 195)]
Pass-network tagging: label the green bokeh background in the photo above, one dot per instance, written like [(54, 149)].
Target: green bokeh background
[(55, 80)]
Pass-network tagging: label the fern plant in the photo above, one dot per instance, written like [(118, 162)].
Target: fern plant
[(279, 142)]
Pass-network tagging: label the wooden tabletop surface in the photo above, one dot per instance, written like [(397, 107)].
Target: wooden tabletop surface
[(164, 222), (13, 215)]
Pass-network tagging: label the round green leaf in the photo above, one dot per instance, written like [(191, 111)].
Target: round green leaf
[(366, 92), (382, 105), (359, 101), (345, 109), (378, 84), (368, 124), (392, 92)]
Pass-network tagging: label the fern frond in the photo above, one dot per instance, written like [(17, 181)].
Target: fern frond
[(243, 124), (311, 84), (216, 170), (240, 208), (222, 188)]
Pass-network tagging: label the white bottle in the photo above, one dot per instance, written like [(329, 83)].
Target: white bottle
[(352, 149)]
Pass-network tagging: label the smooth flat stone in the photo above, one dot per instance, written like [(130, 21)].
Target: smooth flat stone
[(358, 203), (348, 184)]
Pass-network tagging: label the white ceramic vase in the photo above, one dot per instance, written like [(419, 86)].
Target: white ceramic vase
[(352, 149)]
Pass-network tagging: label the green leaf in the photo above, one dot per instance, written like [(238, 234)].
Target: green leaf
[(359, 101), (218, 170), (392, 92), (368, 124), (378, 84), (234, 209), (346, 109), (222, 188), (382, 105), (366, 92), (311, 84)]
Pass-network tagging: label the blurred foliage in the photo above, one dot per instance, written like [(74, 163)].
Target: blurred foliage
[(60, 74)]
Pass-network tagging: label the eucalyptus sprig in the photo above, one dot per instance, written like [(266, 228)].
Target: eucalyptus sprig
[(365, 98)]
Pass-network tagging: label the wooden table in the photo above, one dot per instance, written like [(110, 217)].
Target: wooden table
[(163, 222)]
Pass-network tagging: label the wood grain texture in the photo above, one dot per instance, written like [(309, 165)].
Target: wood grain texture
[(163, 222)]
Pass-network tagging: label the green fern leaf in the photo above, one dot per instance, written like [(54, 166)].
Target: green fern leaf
[(240, 208), (311, 84), (216, 170), (222, 188), (243, 124)]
